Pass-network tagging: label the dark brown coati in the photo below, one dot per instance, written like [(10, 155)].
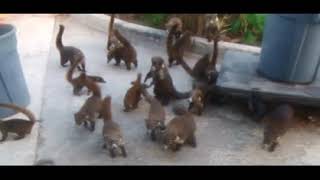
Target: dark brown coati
[(126, 52), (18, 126), (176, 49), (91, 108), (69, 53), (155, 122), (133, 95), (164, 89), (79, 82), (180, 130), (175, 21), (112, 135), (276, 124)]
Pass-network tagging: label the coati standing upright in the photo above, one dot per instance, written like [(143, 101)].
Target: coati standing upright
[(126, 52), (164, 89), (112, 135), (155, 122), (180, 130), (172, 22), (18, 126), (176, 49), (276, 124), (69, 53), (79, 82), (91, 108), (133, 95)]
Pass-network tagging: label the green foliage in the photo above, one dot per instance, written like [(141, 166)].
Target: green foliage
[(249, 26), (155, 20)]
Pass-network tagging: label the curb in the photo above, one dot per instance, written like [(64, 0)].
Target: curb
[(99, 22)]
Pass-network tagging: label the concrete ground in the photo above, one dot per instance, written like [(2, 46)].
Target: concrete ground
[(225, 135)]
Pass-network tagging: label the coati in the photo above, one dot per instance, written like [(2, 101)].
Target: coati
[(92, 106), (176, 49), (180, 130), (133, 95), (172, 22), (126, 51), (197, 101), (276, 124), (112, 135), (164, 89), (155, 122), (69, 53), (79, 82), (21, 127)]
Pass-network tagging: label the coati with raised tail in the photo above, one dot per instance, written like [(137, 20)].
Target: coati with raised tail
[(91, 108), (176, 49), (164, 89), (126, 51), (69, 53), (133, 95), (112, 135), (180, 130), (155, 122), (276, 124), (21, 127), (172, 22), (79, 82)]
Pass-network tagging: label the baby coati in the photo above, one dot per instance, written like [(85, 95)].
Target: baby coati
[(276, 124), (125, 51), (21, 127), (176, 49), (69, 53), (133, 95), (112, 135), (91, 108), (175, 21), (79, 82), (180, 130), (164, 89), (156, 115)]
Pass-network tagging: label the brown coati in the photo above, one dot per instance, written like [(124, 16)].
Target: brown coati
[(180, 130), (79, 82), (172, 22), (176, 49), (126, 52), (164, 89), (155, 122), (21, 127), (197, 101), (133, 95), (91, 108), (69, 53), (112, 135), (276, 124)]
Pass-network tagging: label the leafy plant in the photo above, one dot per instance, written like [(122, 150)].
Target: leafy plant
[(155, 20)]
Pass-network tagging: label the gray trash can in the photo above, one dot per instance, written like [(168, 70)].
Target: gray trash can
[(13, 88), (290, 48)]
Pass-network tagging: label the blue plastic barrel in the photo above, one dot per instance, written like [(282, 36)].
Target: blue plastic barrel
[(290, 48), (13, 87)]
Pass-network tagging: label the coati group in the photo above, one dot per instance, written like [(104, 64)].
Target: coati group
[(181, 129)]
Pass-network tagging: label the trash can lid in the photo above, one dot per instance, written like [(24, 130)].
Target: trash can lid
[(303, 18)]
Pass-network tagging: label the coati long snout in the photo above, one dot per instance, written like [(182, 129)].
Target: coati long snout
[(69, 53), (20, 127), (79, 82), (112, 135), (175, 21), (125, 51), (277, 122), (164, 89), (91, 108), (133, 95), (155, 122), (180, 130)]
